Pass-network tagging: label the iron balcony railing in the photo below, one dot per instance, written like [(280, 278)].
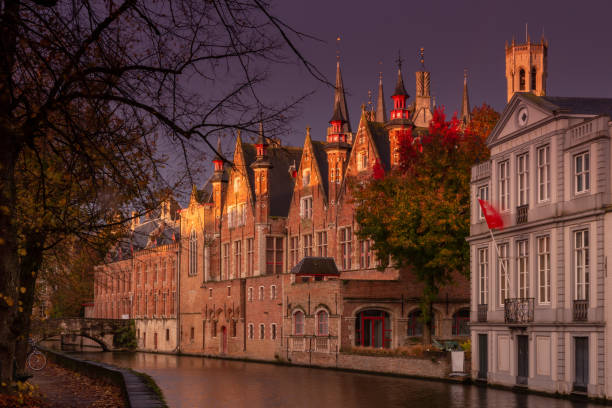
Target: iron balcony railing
[(521, 213), (581, 308), (482, 312), (518, 310)]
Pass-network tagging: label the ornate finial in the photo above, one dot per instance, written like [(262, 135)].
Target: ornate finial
[(399, 60), (239, 132), (422, 53), (338, 49), (464, 75), (307, 131), (526, 33), (370, 99), (380, 72), (363, 107)]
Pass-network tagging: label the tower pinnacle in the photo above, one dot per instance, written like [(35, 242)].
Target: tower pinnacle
[(381, 110), (465, 102)]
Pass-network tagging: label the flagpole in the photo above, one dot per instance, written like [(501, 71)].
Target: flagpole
[(503, 264)]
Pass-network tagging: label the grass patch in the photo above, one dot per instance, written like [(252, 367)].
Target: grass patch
[(151, 385)]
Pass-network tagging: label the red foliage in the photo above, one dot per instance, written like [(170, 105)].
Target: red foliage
[(378, 172)]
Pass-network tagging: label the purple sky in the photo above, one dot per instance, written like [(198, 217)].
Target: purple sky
[(455, 34)]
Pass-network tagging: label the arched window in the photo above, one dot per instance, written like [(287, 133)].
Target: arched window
[(533, 78), (298, 319), (373, 329), (193, 253), (415, 323), (522, 79), (323, 323), (460, 323)]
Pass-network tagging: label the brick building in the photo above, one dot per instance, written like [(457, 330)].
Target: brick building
[(269, 265), (139, 280)]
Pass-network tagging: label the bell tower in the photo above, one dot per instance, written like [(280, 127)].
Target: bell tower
[(526, 67)]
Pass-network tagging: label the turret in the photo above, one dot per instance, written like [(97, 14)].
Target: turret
[(422, 104), (400, 124), (340, 104), (219, 180), (526, 67), (337, 149), (261, 169)]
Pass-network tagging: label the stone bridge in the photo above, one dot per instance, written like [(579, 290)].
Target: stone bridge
[(102, 331)]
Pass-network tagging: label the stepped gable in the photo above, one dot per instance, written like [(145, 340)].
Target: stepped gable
[(320, 158)]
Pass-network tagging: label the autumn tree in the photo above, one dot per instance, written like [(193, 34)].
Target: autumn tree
[(426, 216), (88, 92)]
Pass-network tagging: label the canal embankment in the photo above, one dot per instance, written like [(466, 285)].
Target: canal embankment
[(137, 389)]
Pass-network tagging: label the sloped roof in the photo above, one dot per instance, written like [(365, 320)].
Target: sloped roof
[(312, 265), (585, 106), (381, 140), (150, 233), (281, 182), (320, 156)]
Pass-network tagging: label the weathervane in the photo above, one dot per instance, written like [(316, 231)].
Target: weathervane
[(399, 59), (423, 57)]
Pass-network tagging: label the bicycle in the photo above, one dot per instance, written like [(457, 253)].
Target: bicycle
[(36, 359)]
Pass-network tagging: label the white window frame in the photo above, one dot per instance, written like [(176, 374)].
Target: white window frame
[(482, 194), (544, 269), (261, 292), (237, 258), (581, 264), (504, 185), (582, 172), (294, 250), (522, 267), (306, 207), (522, 173), (483, 276), (250, 294), (251, 331), (250, 256), (503, 273), (362, 160), (543, 155)]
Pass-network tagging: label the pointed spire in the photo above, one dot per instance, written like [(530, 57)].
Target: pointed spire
[(218, 154), (337, 116), (399, 86), (261, 145), (381, 110), (340, 99), (465, 102)]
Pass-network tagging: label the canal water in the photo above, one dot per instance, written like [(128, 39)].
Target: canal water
[(200, 382), (210, 383)]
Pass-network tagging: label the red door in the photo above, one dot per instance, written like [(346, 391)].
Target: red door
[(224, 340), (373, 329)]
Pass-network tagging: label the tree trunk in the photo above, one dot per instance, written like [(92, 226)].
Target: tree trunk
[(9, 259), (30, 266)]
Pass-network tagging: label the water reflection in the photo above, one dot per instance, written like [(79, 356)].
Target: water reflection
[(199, 382)]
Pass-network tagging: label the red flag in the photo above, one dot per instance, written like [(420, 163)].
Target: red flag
[(493, 217), (173, 237)]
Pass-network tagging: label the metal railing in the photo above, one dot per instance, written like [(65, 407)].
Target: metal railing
[(518, 310), (521, 213), (580, 309), (482, 312)]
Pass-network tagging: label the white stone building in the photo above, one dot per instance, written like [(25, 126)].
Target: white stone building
[(541, 299)]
